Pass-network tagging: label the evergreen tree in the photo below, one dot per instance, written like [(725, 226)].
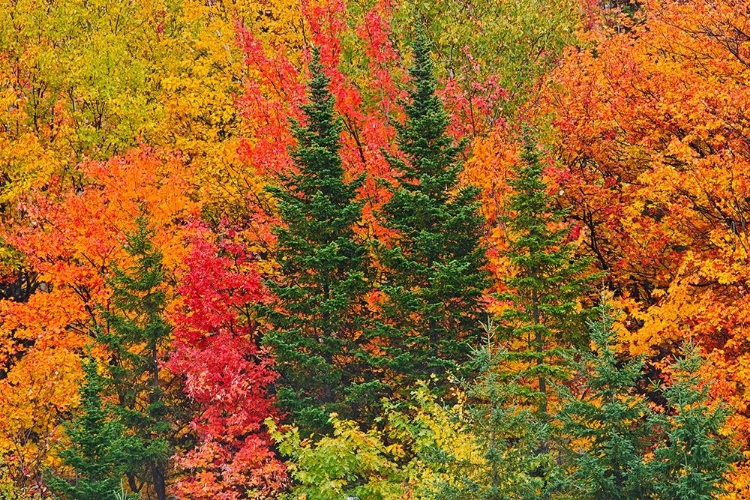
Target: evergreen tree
[(136, 335), (433, 269), (693, 460), (630, 451), (509, 428), (535, 332), (613, 423), (548, 281), (99, 448), (320, 312)]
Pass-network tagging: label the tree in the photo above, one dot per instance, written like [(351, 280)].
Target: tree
[(73, 239), (226, 375), (433, 274), (546, 282), (630, 449), (541, 321), (320, 309), (99, 447), (136, 334), (654, 169), (510, 433), (694, 458), (613, 424), (421, 451)]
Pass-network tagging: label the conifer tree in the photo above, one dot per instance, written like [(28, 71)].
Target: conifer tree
[(510, 430), (99, 448), (629, 450), (320, 309), (433, 268), (693, 460), (549, 279), (534, 334), (136, 335), (613, 424)]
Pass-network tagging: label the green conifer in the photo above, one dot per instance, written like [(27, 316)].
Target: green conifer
[(612, 424), (693, 460), (627, 449), (433, 269), (320, 312), (99, 448), (137, 335), (510, 429), (547, 283), (534, 335)]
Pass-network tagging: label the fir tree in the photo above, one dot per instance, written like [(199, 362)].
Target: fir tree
[(321, 287), (547, 282), (510, 429), (136, 335), (694, 458), (99, 448), (613, 422), (433, 269), (631, 451), (535, 332)]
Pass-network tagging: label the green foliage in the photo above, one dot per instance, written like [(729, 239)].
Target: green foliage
[(511, 43), (348, 463), (136, 335), (518, 462), (433, 276), (612, 428), (321, 287), (99, 448), (625, 449), (423, 451), (547, 285), (510, 396), (694, 458)]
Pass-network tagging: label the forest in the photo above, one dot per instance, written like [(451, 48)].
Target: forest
[(374, 249)]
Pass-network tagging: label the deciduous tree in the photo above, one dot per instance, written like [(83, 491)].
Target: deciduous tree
[(226, 375)]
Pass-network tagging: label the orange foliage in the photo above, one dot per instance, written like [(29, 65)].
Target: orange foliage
[(652, 116), (69, 243)]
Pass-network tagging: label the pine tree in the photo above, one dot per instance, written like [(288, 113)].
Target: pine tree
[(693, 460), (136, 335), (99, 448), (319, 314), (613, 423), (433, 274)]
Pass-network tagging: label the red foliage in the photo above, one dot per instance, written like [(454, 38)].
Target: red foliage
[(227, 375)]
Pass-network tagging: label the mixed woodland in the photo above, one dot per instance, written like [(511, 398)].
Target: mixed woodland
[(383, 249)]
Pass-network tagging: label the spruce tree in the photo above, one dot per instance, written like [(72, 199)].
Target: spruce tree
[(319, 314), (136, 335), (99, 448), (695, 456), (533, 335), (433, 273), (545, 285), (627, 449), (510, 429), (613, 424)]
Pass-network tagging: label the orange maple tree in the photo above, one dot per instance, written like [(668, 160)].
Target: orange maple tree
[(69, 243), (650, 119)]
